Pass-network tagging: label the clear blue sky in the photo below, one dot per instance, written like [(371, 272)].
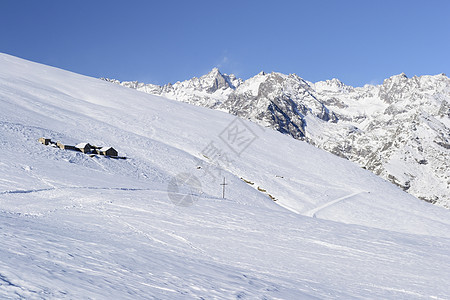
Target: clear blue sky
[(165, 41)]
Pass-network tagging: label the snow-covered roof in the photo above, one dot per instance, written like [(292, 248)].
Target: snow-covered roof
[(82, 145), (106, 148)]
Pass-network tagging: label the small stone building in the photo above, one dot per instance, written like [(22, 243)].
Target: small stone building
[(44, 141), (65, 147), (109, 151), (60, 145)]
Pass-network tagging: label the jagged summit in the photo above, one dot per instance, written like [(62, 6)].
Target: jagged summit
[(397, 78), (213, 81), (391, 129), (333, 85)]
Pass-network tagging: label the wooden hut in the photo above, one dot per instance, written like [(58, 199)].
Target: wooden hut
[(84, 147), (108, 151)]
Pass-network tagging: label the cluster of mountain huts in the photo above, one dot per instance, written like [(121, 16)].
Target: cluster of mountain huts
[(85, 148)]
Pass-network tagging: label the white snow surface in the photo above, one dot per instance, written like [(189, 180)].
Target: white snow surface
[(78, 227)]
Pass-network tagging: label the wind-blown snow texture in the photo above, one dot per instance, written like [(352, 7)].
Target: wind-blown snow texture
[(399, 130), (78, 227)]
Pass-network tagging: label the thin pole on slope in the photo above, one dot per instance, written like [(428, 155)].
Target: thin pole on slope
[(223, 188)]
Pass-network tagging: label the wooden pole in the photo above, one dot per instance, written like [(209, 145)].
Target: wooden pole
[(223, 188)]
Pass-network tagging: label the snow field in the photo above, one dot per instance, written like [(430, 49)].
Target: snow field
[(81, 227)]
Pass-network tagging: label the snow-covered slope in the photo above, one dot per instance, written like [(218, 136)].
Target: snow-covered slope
[(75, 226), (399, 130)]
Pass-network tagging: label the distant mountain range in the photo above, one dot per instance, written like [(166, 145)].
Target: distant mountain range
[(400, 130)]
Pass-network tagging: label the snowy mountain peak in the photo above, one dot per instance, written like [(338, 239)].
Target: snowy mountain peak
[(215, 70), (211, 82), (395, 79), (333, 85)]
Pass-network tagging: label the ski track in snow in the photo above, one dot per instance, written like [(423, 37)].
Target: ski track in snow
[(77, 187), (313, 212)]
